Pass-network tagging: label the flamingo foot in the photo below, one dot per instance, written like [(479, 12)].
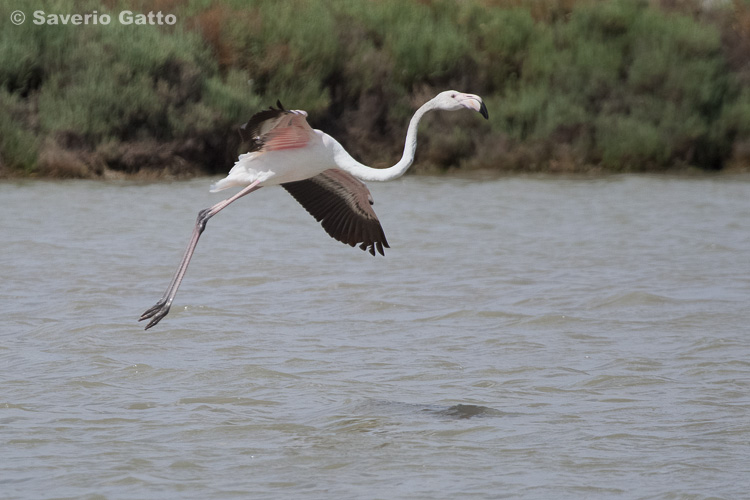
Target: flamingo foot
[(156, 313)]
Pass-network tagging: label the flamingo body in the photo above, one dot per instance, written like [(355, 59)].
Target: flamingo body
[(318, 172), (271, 170), (284, 148)]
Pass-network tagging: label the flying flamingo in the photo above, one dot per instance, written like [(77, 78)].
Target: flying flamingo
[(318, 172)]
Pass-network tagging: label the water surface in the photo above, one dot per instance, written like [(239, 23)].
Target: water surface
[(523, 338)]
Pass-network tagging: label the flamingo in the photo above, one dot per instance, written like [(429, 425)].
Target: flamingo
[(317, 171)]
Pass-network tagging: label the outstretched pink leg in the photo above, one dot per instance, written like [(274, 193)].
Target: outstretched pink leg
[(161, 308)]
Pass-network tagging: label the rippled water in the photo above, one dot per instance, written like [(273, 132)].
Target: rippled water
[(523, 338)]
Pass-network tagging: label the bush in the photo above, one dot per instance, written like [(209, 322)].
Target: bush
[(19, 145), (621, 85), (97, 84), (643, 87)]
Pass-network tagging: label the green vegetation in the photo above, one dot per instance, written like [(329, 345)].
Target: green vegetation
[(616, 85)]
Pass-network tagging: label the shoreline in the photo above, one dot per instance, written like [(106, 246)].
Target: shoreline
[(151, 175)]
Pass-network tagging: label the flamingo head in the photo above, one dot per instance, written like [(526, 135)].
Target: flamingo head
[(453, 100)]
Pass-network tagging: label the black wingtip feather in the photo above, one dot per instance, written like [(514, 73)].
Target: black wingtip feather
[(328, 198)]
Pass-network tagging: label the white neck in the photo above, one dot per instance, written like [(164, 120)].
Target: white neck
[(344, 161)]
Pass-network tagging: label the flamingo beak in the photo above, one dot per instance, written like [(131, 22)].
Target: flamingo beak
[(483, 111), (476, 103)]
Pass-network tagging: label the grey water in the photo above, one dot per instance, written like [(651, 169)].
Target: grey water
[(523, 337)]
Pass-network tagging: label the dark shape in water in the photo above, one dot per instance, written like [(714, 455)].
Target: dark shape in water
[(460, 411)]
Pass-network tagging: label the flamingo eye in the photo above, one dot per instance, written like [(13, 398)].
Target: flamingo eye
[(453, 96)]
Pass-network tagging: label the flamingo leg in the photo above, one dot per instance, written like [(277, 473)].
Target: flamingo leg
[(161, 308)]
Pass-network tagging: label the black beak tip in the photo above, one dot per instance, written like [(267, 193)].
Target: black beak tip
[(483, 111)]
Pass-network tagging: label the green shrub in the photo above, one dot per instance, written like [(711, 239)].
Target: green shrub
[(19, 146), (646, 86), (622, 84), (423, 40), (97, 84)]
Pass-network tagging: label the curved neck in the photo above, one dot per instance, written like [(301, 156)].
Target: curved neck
[(345, 162)]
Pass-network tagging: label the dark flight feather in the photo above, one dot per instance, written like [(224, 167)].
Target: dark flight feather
[(343, 205)]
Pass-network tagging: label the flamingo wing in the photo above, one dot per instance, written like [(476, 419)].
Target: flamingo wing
[(277, 128), (343, 205)]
